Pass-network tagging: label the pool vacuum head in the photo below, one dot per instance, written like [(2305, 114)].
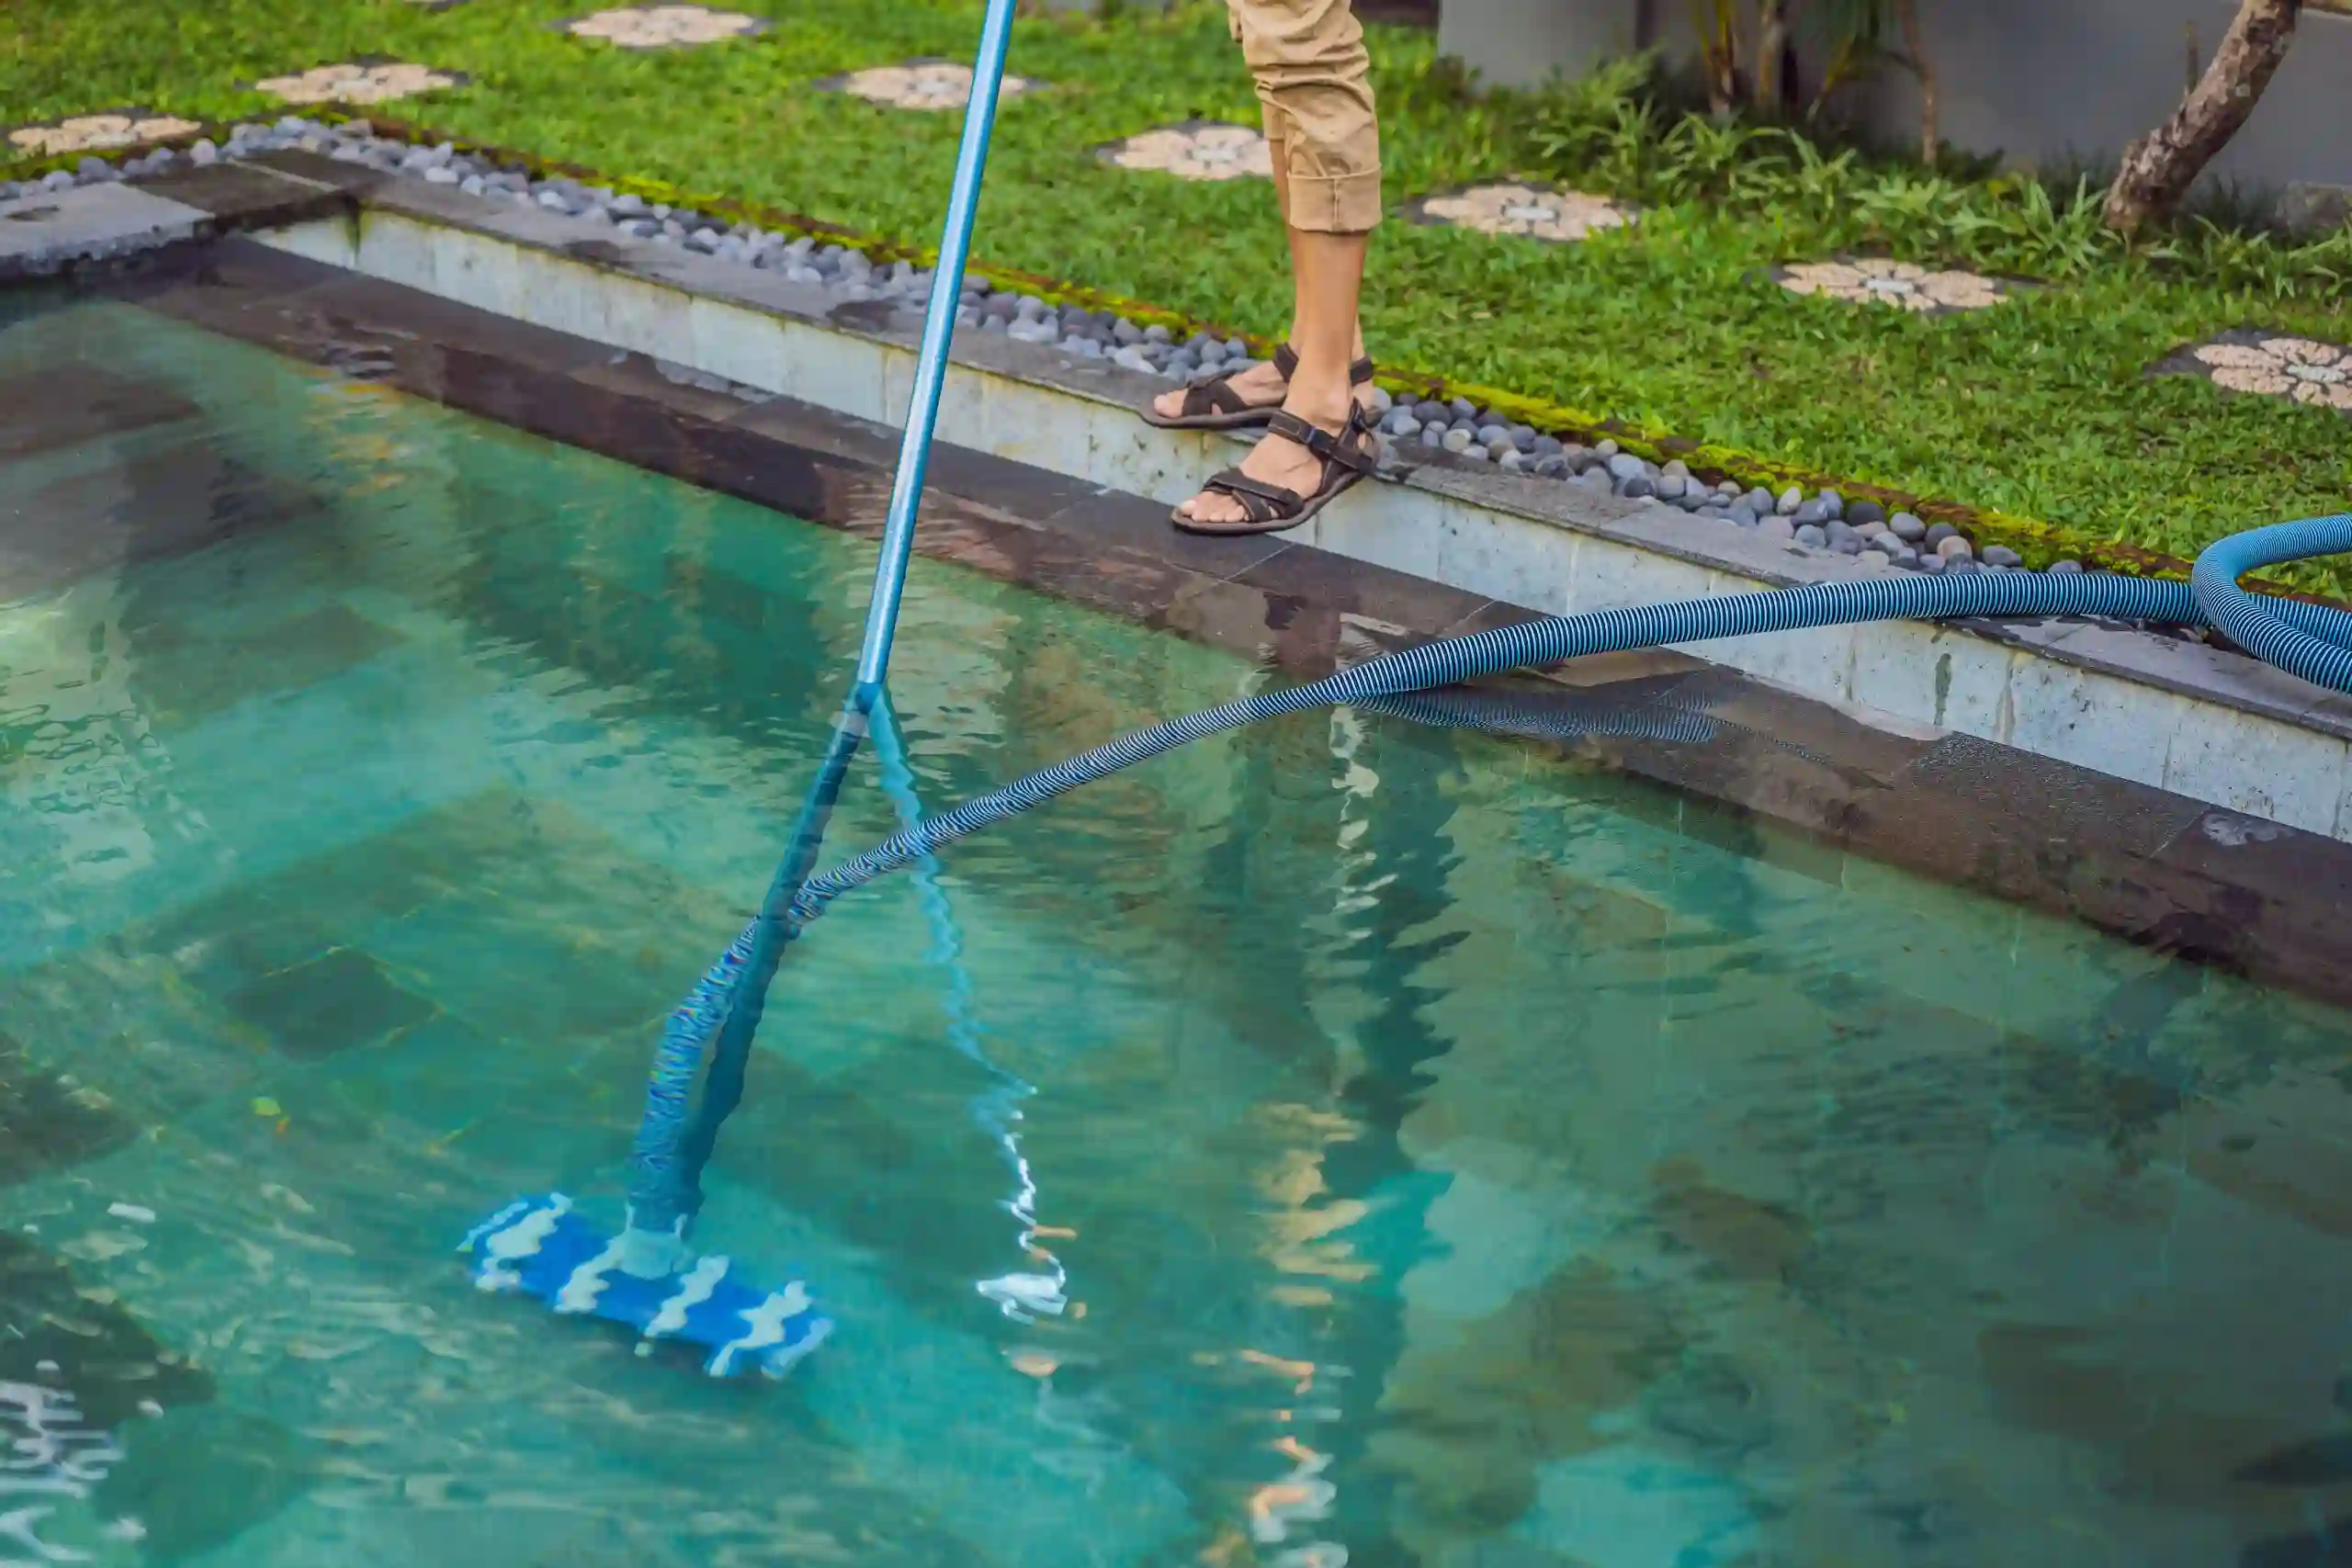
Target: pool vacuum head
[(540, 1248)]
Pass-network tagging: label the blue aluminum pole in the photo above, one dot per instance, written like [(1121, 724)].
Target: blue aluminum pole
[(719, 1018)]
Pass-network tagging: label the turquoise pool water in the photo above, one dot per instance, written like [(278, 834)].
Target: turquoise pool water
[(1454, 1156)]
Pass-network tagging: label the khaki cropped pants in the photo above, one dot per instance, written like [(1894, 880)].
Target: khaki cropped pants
[(1314, 89)]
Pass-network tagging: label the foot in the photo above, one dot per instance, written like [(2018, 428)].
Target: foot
[(1275, 460), (1260, 387)]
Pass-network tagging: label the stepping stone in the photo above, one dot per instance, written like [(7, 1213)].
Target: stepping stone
[(358, 82), (1538, 212), (1874, 280), (665, 26), (2270, 364), (929, 84), (1195, 150), (98, 132)]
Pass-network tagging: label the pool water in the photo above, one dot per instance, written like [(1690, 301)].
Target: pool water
[(1450, 1154)]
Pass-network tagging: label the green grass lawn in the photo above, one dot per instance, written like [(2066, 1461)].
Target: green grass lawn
[(2039, 408)]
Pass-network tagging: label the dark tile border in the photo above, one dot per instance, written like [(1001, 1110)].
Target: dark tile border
[(74, 232), (2271, 902)]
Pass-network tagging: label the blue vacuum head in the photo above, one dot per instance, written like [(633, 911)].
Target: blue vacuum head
[(539, 1247)]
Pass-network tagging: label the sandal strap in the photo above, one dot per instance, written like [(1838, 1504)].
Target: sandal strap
[(1344, 448), (1214, 396), (1260, 501), (1360, 374)]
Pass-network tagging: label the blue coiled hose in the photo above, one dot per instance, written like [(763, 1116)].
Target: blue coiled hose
[(2309, 640)]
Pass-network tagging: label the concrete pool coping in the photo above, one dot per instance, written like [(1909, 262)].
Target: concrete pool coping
[(2157, 710), (2153, 864)]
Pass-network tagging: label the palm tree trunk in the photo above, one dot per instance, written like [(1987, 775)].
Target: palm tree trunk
[(1772, 56), (1915, 44), (2159, 168)]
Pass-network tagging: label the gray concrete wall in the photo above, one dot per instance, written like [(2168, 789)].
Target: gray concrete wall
[(2041, 81)]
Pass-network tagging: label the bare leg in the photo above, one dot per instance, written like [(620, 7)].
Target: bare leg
[(1327, 273), (1262, 383)]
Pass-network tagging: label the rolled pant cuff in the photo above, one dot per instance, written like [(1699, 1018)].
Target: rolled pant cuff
[(1335, 204)]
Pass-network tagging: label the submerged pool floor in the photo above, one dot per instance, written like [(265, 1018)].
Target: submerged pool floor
[(1456, 1155)]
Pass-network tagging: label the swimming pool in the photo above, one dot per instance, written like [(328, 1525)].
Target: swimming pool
[(1455, 1154)]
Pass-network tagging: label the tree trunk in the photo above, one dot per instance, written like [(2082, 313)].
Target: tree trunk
[(1772, 57), (1915, 44), (2159, 168), (1720, 56)]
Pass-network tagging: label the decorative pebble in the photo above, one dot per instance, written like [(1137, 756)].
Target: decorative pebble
[(2001, 554), (1457, 440), (1907, 527), (1860, 512), (1876, 557), (1938, 533), (2071, 566), (1810, 536), (1953, 547)]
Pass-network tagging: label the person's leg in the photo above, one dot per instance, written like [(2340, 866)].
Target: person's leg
[(1262, 384), (1313, 77)]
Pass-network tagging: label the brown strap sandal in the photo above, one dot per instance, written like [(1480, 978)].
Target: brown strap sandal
[(1347, 457), (1214, 405)]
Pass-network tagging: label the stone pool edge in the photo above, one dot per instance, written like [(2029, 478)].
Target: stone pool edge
[(2158, 711), (1845, 797)]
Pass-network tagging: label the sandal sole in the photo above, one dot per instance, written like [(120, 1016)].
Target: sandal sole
[(1241, 421)]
